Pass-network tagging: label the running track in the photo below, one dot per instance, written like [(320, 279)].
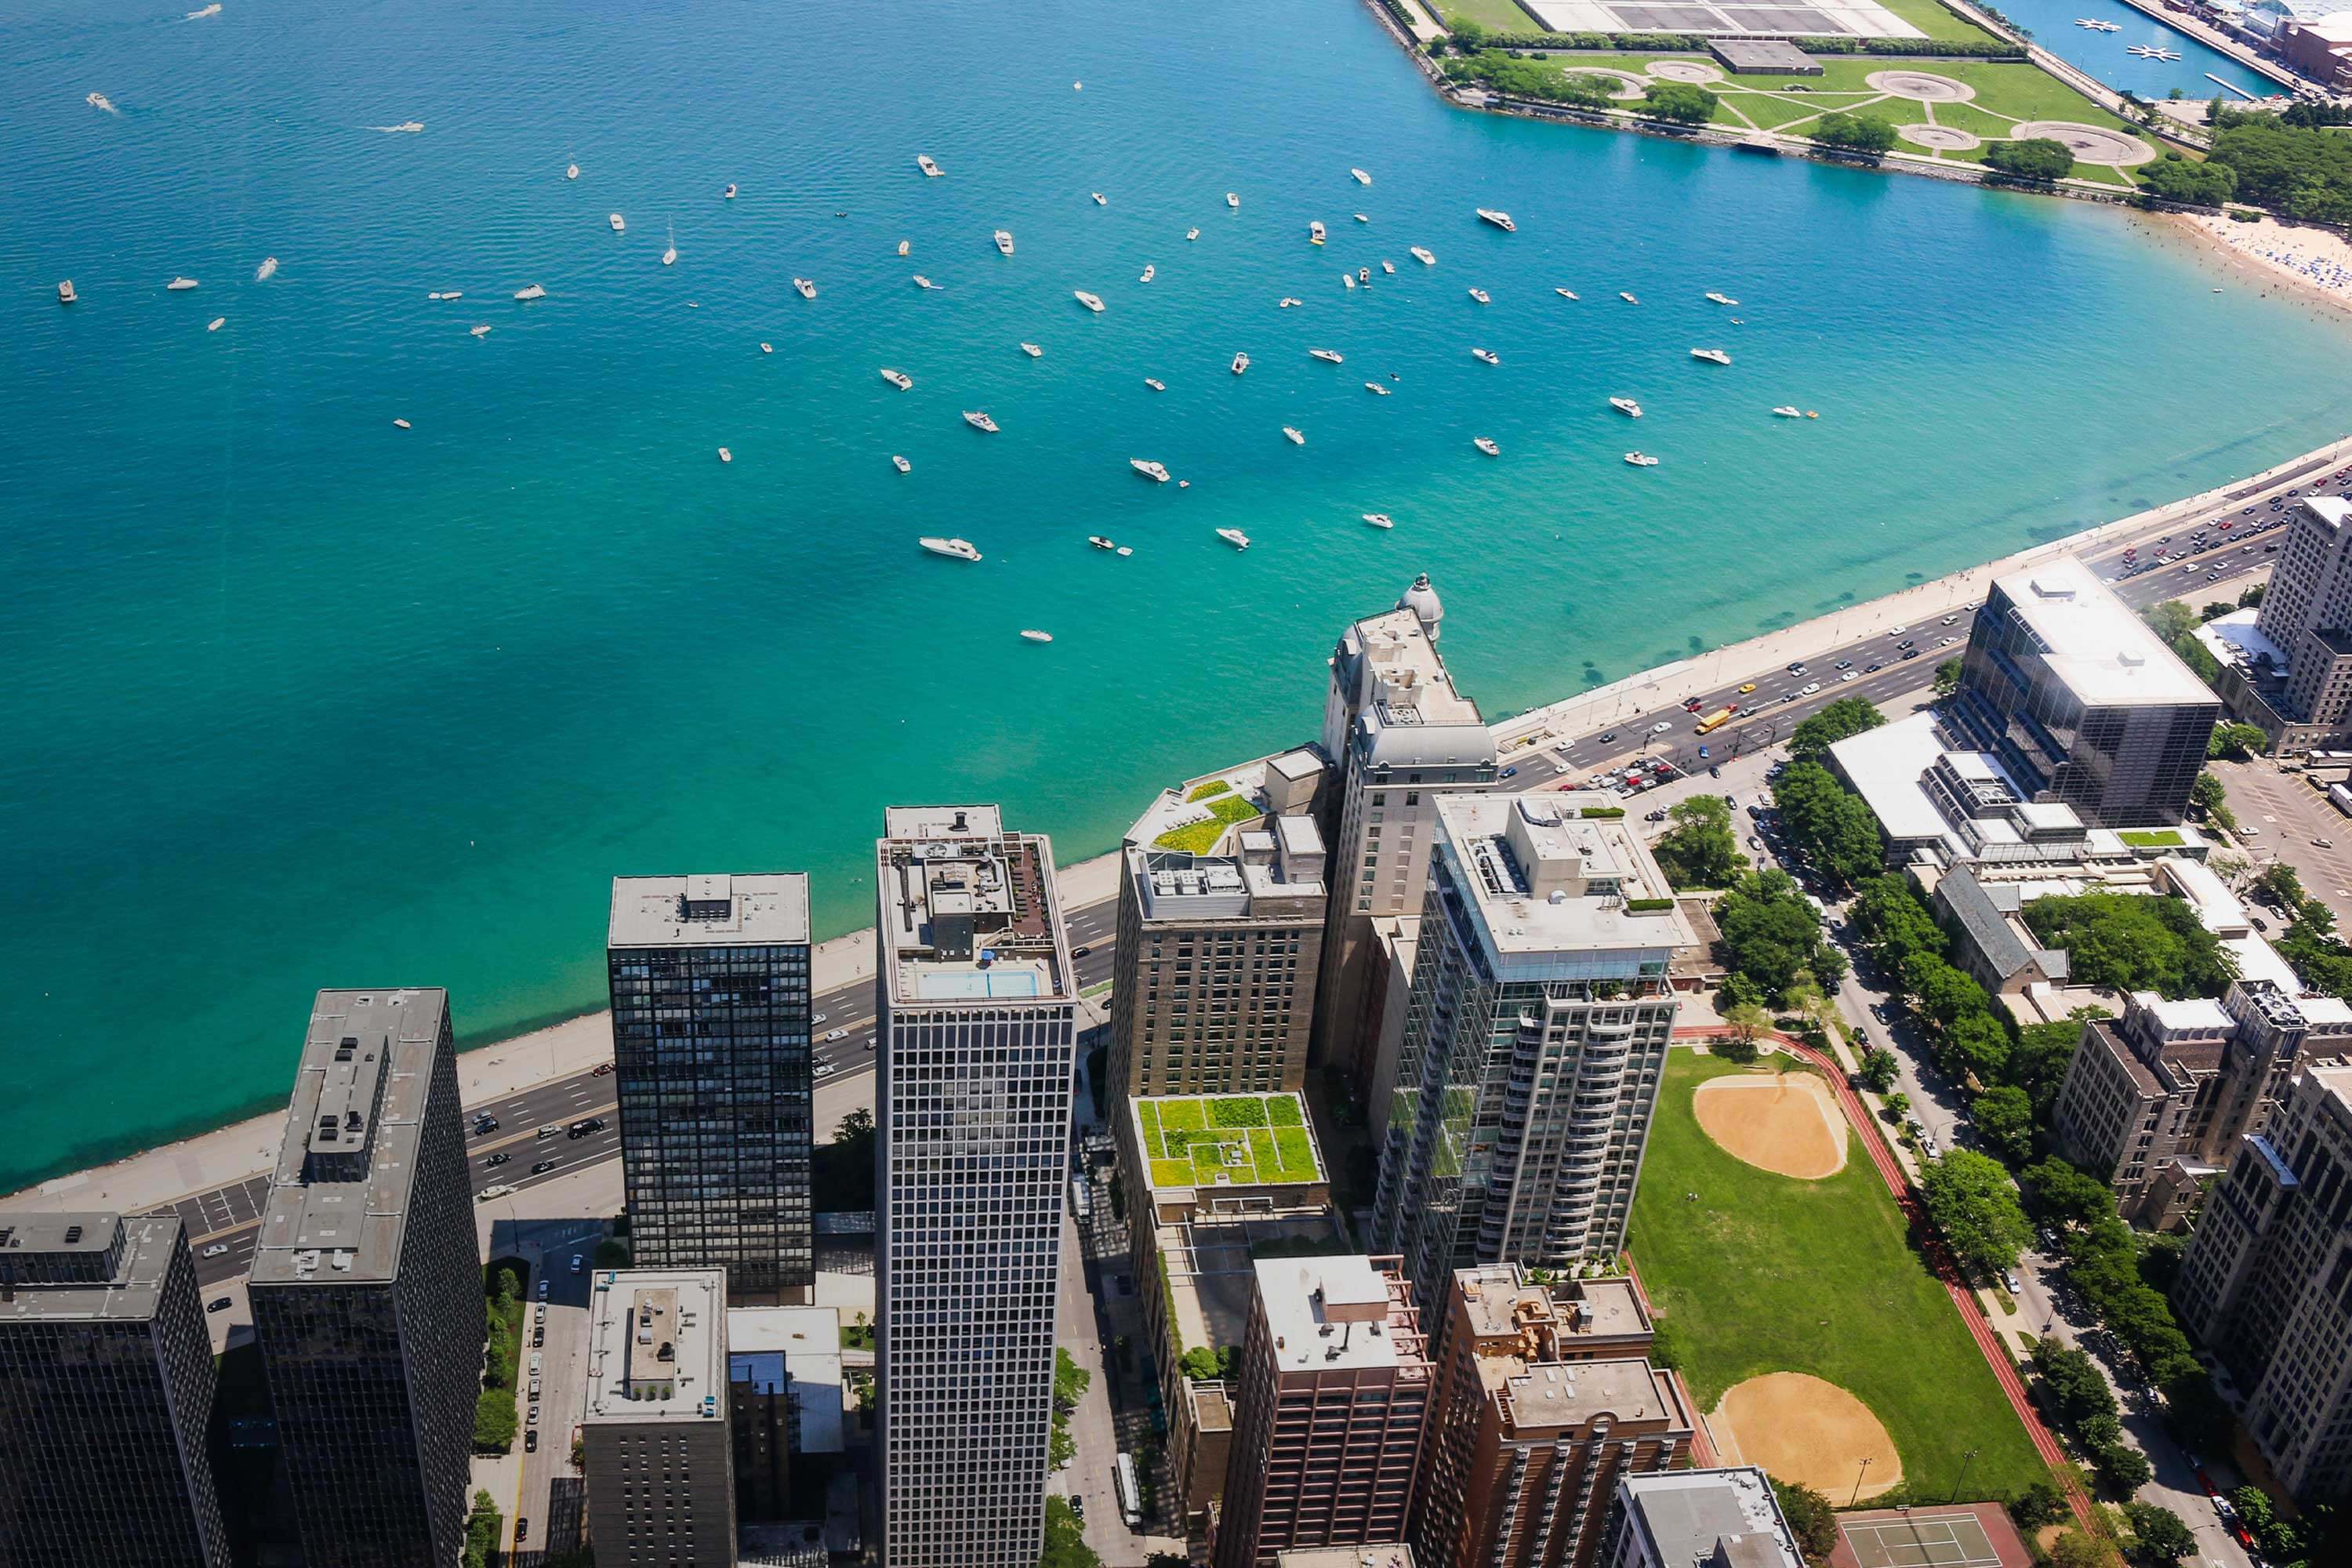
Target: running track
[(1964, 1300)]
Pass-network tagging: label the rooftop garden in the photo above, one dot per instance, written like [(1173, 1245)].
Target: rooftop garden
[(2151, 837), (1250, 1140), (1225, 810)]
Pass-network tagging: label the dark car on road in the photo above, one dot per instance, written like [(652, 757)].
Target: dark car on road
[(584, 1126), (542, 1167), (485, 1125), (218, 1304), (498, 1159)]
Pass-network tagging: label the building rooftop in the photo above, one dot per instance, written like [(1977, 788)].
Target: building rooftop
[(970, 914), (1226, 1140), (97, 1267), (1572, 1394), (1338, 1314), (1687, 1514), (1211, 1269), (1409, 711), (1887, 766), (1989, 915), (720, 910), (1500, 1300), (339, 1193), (657, 1346), (2091, 639), (1385, 1556), (1547, 881), (766, 1343)]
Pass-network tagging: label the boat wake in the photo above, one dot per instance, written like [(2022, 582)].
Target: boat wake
[(406, 127)]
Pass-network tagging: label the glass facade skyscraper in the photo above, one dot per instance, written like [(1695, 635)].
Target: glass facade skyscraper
[(711, 1046)]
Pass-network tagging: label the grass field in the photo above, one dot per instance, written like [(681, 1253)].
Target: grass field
[(1252, 1139), (1494, 15), (1934, 20), (1765, 1273)]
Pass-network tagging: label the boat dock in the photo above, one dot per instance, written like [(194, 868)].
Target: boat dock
[(2230, 87)]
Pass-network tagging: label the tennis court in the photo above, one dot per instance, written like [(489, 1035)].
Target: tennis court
[(1922, 1540)]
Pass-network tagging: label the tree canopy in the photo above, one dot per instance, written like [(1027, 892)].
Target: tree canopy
[(2176, 624), (2237, 743), (2032, 158), (1065, 1539), (1702, 848), (1810, 1518), (1828, 823), (2133, 943), (2178, 179), (1680, 102), (1856, 132), (1772, 936), (2004, 1115), (2301, 172), (1970, 1200), (1811, 739)]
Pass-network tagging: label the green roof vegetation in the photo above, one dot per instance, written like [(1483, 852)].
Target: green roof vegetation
[(1249, 1140), (1200, 837), (1215, 786), (2151, 837)]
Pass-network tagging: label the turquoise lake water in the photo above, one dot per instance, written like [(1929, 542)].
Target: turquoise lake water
[(297, 699), (2104, 54)]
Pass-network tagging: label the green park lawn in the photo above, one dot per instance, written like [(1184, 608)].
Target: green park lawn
[(1494, 15), (1764, 1273), (1933, 19)]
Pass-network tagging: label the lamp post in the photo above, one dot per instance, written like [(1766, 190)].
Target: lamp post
[(1966, 1460), (1857, 1482)]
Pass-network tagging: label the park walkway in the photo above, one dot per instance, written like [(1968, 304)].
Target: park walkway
[(1939, 1257)]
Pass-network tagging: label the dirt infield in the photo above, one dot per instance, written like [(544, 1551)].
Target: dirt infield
[(1786, 1123), (1803, 1429)]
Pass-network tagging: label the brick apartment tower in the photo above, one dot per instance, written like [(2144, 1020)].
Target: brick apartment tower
[(1330, 1411), (367, 1286), (1545, 1396), (106, 1390)]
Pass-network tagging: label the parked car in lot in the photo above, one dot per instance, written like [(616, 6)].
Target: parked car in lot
[(529, 1446), (218, 1304)]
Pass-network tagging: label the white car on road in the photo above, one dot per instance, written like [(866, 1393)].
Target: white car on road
[(840, 1034), (1659, 728), (1809, 688)]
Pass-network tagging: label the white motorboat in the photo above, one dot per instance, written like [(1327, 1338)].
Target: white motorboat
[(1232, 200), (979, 421), (1566, 293), (729, 193), (1033, 350), (1488, 356), (669, 256), (1124, 550), (1286, 302), (1240, 364), (1091, 301), (217, 323), (1713, 357), (572, 171), (1361, 177), (619, 225), (1641, 459), (929, 169), (448, 294), (1627, 298), (1293, 436), (1191, 234), (1364, 275), (1486, 444), (1100, 542), (1033, 636), (807, 289), (405, 128), (480, 331), (897, 378), (1155, 383), (1480, 295), (767, 347), (901, 464), (1388, 267), (1149, 469), (1235, 537), (906, 246), (1627, 405), (954, 549), (105, 105), (180, 285), (1376, 389), (66, 295), (1721, 299), (1315, 233), (1361, 217), (1005, 242), (923, 282), (530, 291), (1098, 198), (1150, 272), (266, 270), (1423, 256), (1379, 520), (725, 455), (401, 425), (1349, 278), (1329, 357), (1501, 220)]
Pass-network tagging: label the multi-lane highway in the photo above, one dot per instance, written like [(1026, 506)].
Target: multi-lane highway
[(221, 1223)]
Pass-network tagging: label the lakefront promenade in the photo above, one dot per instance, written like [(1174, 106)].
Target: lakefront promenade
[(565, 1054)]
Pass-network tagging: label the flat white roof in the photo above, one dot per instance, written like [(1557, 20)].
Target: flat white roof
[(657, 1346), (1887, 765), (1330, 1314), (2105, 654)]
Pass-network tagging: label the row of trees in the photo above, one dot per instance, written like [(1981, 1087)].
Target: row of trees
[(494, 1406), (1773, 944), (2299, 171), (1828, 824), (1538, 78), (2037, 159)]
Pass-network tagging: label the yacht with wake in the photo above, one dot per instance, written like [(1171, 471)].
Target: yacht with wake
[(1293, 436), (180, 285), (1329, 357), (1789, 411), (1721, 299), (1091, 301), (1379, 520), (1376, 389), (1154, 383), (1423, 256), (1489, 355), (1232, 200), (954, 549), (1501, 220), (1566, 293), (899, 378), (979, 421), (1713, 357)]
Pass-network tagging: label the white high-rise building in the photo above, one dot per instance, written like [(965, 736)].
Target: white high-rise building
[(1534, 1039), (1402, 739), (977, 1017)]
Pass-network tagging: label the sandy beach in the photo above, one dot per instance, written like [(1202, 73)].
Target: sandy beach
[(2315, 262)]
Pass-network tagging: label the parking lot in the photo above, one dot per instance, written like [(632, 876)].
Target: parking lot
[(2283, 818)]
